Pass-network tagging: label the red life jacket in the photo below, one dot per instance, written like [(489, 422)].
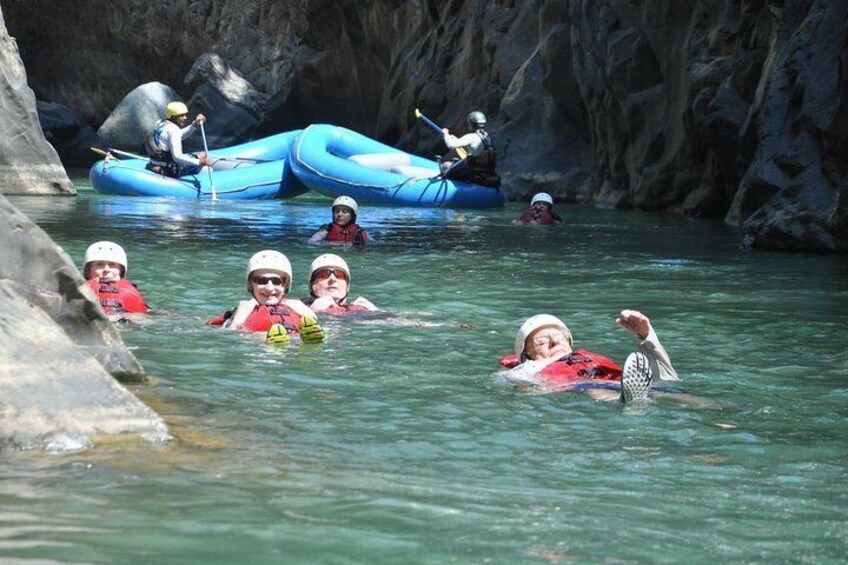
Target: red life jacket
[(118, 297), (264, 316), (545, 217), (351, 233), (580, 365)]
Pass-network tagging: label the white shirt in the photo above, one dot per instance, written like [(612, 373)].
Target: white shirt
[(472, 142), (171, 141)]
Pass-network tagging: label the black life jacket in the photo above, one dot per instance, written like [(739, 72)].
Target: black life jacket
[(486, 160)]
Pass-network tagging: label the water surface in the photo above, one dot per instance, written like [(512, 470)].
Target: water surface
[(396, 441)]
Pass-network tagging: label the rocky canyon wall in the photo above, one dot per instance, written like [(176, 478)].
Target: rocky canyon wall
[(715, 108)]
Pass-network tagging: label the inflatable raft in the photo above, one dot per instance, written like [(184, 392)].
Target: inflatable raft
[(336, 161), (255, 170)]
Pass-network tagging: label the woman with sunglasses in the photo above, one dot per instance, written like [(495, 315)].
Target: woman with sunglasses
[(544, 353), (329, 286), (269, 276)]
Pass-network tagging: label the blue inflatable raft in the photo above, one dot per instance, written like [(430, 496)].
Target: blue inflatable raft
[(255, 170), (336, 161)]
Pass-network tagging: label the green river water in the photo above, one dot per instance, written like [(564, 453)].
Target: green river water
[(398, 441)]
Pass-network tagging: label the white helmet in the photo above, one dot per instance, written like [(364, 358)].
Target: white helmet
[(347, 201), (270, 260), (105, 251), (328, 260), (542, 197), (477, 119), (534, 323)]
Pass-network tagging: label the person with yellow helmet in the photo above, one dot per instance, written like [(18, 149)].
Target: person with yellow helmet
[(540, 212), (268, 281), (545, 353), (343, 229), (105, 271), (329, 286), (164, 145)]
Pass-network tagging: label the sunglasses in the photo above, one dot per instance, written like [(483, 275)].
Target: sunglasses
[(325, 274), (262, 281)]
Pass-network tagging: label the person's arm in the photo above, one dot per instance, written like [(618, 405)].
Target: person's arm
[(241, 313), (299, 307), (649, 344), (471, 141), (365, 303), (175, 142), (319, 235), (322, 304)]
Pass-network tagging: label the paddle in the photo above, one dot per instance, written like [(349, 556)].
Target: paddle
[(101, 152), (206, 151), (134, 156), (460, 151)]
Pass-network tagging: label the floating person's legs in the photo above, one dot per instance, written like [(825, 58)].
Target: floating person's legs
[(636, 378)]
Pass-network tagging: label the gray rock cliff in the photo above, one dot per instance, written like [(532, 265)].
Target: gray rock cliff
[(28, 164)]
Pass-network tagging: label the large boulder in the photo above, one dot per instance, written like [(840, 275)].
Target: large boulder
[(44, 276), (69, 135), (135, 115), (233, 107), (28, 164), (52, 394), (56, 346)]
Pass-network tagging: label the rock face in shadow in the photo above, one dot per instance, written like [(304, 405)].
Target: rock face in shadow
[(28, 164), (70, 136), (713, 108)]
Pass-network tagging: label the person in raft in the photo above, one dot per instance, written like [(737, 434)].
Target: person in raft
[(329, 286), (105, 271), (164, 145), (540, 212), (343, 228), (544, 353), (269, 278), (479, 165)]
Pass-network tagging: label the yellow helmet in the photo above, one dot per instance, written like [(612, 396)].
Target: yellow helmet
[(175, 109)]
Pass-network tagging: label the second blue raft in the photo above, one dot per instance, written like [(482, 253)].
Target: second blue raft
[(260, 170), (336, 161)]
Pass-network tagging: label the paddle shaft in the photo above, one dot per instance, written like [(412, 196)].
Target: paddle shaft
[(429, 122), (125, 154), (206, 153)]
